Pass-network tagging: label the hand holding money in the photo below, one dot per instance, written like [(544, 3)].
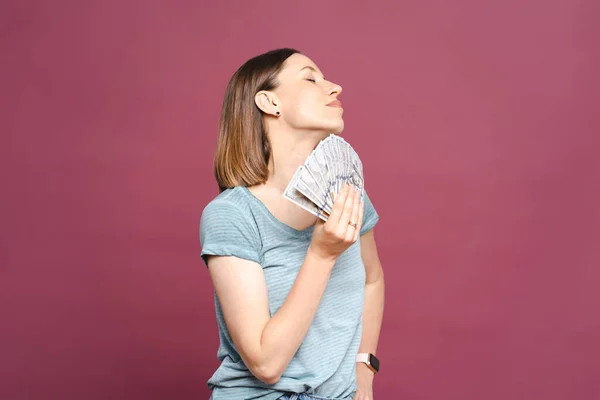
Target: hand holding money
[(315, 184), (332, 238)]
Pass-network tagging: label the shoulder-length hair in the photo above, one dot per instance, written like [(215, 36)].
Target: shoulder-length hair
[(243, 150)]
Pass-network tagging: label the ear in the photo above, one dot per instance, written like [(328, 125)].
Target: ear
[(267, 102)]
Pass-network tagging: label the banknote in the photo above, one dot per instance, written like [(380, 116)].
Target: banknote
[(316, 183), (291, 193), (308, 186)]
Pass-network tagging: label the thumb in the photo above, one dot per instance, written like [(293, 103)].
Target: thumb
[(320, 222)]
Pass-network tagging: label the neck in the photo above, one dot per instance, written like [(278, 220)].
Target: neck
[(288, 152)]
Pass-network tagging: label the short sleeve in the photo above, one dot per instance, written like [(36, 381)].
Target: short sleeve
[(226, 231), (370, 216)]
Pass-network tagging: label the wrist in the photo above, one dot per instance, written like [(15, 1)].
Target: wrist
[(369, 360), (316, 256), (364, 371)]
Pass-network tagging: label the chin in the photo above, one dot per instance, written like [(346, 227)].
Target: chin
[(336, 127), (328, 127)]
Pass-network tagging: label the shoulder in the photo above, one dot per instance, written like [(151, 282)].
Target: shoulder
[(228, 216), (229, 204), (227, 227)]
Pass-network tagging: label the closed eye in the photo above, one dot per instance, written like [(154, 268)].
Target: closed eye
[(312, 80)]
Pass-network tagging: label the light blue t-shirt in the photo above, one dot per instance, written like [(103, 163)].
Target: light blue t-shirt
[(236, 223)]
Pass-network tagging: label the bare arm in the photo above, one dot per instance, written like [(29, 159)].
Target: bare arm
[(267, 344), (372, 313), (374, 294)]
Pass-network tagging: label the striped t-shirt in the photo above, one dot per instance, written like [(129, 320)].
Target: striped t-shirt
[(236, 223)]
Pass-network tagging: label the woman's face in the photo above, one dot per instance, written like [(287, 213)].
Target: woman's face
[(308, 101)]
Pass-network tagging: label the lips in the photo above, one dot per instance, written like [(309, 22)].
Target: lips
[(335, 103)]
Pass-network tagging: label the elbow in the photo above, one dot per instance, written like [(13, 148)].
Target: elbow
[(266, 367), (270, 379), (266, 373)]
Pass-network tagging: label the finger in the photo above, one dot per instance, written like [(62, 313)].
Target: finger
[(338, 205), (361, 213), (351, 232), (347, 212)]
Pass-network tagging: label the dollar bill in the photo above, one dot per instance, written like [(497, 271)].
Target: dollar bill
[(315, 185), (292, 194), (307, 185), (317, 168)]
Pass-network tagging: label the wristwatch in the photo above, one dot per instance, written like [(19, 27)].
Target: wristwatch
[(370, 360)]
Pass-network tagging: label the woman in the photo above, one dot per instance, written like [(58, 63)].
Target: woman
[(290, 289)]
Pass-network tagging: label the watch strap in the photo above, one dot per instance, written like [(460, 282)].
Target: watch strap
[(367, 358), (362, 357)]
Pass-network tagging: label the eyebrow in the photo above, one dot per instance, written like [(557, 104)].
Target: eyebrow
[(309, 67)]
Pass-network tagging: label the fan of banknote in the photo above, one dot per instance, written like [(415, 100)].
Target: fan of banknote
[(316, 183)]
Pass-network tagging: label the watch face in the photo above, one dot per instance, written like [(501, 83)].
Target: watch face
[(374, 362)]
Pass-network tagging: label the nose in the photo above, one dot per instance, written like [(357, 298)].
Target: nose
[(335, 89)]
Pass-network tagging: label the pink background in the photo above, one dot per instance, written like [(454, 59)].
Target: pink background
[(478, 127)]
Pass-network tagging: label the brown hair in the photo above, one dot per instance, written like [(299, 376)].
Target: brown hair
[(243, 149)]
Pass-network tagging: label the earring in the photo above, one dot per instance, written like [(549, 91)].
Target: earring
[(277, 113)]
